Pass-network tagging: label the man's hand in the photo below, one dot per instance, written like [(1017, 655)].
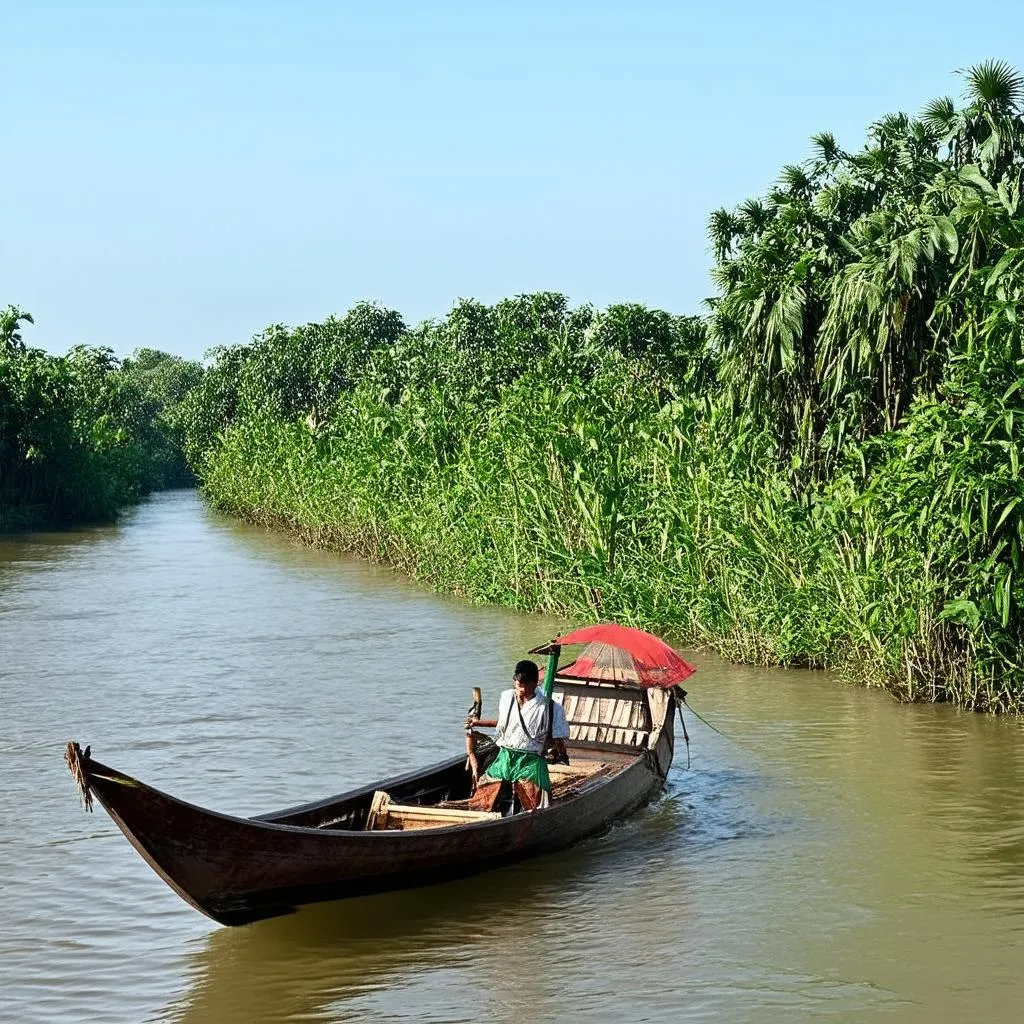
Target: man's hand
[(557, 754)]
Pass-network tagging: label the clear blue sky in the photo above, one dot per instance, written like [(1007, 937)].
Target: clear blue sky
[(178, 175)]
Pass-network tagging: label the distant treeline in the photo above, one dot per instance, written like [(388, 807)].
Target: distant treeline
[(82, 435)]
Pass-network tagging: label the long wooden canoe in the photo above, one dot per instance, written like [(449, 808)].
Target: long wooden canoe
[(237, 870)]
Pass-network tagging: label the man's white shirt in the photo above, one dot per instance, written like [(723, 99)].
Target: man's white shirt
[(510, 732)]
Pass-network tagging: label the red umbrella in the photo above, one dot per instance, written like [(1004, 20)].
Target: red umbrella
[(622, 654)]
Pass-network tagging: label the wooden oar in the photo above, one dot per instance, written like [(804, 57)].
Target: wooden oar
[(474, 712)]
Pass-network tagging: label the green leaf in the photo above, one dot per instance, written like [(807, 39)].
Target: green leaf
[(971, 175), (961, 611), (999, 269), (1010, 506)]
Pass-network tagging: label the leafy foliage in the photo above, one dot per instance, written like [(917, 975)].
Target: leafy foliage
[(824, 470), (82, 434)]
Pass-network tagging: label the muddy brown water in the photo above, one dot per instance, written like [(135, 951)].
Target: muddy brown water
[(846, 858)]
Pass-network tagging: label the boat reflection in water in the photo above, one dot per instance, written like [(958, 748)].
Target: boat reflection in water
[(488, 947)]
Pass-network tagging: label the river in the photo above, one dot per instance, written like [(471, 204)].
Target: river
[(839, 857)]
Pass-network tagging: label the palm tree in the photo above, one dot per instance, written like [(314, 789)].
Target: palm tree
[(828, 288), (989, 129)]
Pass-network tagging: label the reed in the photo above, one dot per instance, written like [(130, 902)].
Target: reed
[(591, 497)]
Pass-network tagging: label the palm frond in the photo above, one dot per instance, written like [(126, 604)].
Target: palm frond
[(722, 230), (754, 214), (939, 116), (891, 128), (826, 148), (994, 82), (795, 180)]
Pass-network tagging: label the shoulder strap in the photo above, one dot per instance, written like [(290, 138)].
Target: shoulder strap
[(544, 725), (508, 715)]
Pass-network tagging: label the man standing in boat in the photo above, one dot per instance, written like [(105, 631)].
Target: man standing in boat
[(522, 723)]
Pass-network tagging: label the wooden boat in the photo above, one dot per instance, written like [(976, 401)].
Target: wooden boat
[(409, 830)]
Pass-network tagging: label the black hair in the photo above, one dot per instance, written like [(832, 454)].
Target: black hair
[(526, 672)]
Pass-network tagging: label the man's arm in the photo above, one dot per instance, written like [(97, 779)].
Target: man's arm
[(486, 723), (557, 753), (559, 726)]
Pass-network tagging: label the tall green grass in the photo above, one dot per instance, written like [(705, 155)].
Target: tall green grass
[(592, 497)]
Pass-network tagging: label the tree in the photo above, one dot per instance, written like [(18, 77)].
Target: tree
[(11, 320)]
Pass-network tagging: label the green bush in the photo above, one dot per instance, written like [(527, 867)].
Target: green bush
[(83, 434)]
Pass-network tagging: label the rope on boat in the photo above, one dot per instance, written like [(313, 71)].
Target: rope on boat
[(680, 696), (730, 739), (73, 758), (704, 720), (686, 735)]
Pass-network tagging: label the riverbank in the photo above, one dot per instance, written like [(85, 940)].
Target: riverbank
[(823, 470), (21, 518), (657, 526), (585, 493)]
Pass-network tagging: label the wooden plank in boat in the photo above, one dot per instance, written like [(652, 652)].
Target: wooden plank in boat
[(587, 715), (601, 713), (385, 815), (569, 706), (578, 767), (624, 712), (602, 718)]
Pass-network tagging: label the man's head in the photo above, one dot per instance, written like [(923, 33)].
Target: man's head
[(525, 679)]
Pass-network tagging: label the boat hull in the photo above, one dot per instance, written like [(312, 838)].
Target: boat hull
[(238, 870)]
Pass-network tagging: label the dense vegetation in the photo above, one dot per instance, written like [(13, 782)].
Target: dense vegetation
[(823, 470), (82, 435)]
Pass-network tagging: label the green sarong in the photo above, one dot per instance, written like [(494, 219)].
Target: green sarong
[(520, 766)]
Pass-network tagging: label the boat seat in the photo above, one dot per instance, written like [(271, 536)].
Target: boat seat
[(610, 715), (386, 815)]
